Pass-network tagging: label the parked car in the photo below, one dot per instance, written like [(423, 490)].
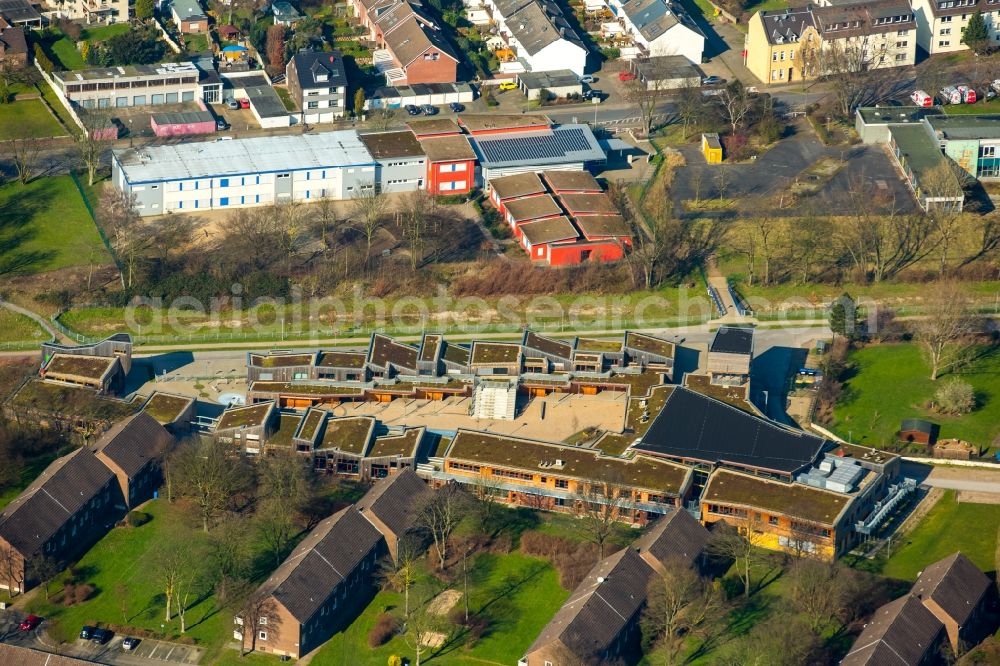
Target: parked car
[(968, 94), (507, 85), (87, 632), (626, 76), (712, 80), (101, 636), (122, 129), (221, 124), (587, 78), (412, 110), (233, 104), (920, 98), (130, 643), (430, 109), (950, 95), (244, 104), (29, 623), (456, 107), (593, 93)]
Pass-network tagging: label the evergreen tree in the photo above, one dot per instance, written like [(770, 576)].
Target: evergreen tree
[(144, 9), (844, 319), (976, 35), (359, 102)]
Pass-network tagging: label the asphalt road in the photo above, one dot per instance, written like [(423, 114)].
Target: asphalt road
[(985, 480)]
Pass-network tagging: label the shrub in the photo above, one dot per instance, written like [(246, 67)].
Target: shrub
[(955, 397), (736, 147), (43, 60), (60, 298), (137, 518), (385, 628), (395, 660), (571, 559), (76, 594)]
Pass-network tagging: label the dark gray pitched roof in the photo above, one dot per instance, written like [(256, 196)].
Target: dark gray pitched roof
[(133, 442), (317, 566), (310, 64), (694, 426), (600, 607), (901, 633), (676, 536), (57, 494), (955, 584), (394, 500)]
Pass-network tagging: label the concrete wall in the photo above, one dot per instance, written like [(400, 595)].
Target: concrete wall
[(402, 174)]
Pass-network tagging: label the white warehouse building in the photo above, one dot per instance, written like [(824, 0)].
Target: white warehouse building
[(259, 171)]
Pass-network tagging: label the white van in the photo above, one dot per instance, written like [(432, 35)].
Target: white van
[(920, 98)]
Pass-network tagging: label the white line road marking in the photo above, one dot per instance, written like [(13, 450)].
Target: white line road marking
[(167, 658)]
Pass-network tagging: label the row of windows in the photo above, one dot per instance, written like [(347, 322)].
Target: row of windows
[(129, 85), (453, 185), (138, 100), (780, 55), (451, 168)]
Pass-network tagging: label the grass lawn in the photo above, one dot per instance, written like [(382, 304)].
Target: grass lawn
[(519, 594), (56, 105), (286, 98), (45, 226), (16, 327), (196, 43), (949, 526), (69, 56), (102, 32), (890, 383), (126, 557), (991, 106), (27, 118)]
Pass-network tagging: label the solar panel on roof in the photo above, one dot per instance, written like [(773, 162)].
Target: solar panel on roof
[(546, 146)]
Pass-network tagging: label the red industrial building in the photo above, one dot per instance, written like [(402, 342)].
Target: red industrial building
[(451, 162)]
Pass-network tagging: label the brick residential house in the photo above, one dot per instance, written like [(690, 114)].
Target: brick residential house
[(13, 45), (132, 450), (71, 505), (956, 592)]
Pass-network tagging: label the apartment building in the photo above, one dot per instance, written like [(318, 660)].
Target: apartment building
[(940, 23), (317, 82), (94, 11), (131, 85), (210, 175), (789, 45)]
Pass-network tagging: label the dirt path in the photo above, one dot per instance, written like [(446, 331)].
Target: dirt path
[(38, 319)]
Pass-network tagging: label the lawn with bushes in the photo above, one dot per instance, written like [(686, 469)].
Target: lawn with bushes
[(949, 526), (516, 595), (15, 328), (119, 573), (887, 383)]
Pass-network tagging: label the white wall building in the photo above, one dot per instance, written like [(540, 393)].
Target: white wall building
[(539, 35), (659, 28), (940, 23), (240, 173)]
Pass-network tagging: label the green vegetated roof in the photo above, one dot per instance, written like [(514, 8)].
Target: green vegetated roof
[(731, 395), (640, 383), (350, 434), (592, 345), (287, 425), (790, 499), (165, 407), (495, 352), (281, 360), (91, 367), (400, 445), (54, 398), (428, 350), (648, 343), (586, 464), (456, 353), (246, 416), (342, 359), (313, 420), (290, 388)]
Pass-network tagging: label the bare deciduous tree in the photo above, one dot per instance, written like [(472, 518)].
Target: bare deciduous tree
[(856, 69), (121, 219), (601, 507), (679, 604), (648, 95), (741, 544), (252, 606), (24, 153), (42, 570), (416, 218), (368, 206), (95, 139), (402, 572), (213, 480), (736, 104), (440, 514), (944, 331)]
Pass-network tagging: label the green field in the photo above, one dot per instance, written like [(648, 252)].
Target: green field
[(196, 43), (949, 526), (16, 327), (518, 594), (27, 118), (127, 556), (99, 33), (891, 382), (69, 56), (45, 226), (992, 106)]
